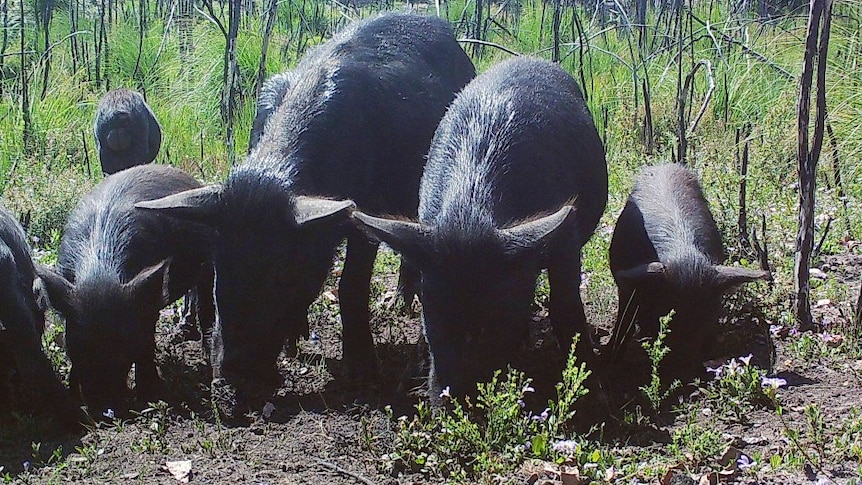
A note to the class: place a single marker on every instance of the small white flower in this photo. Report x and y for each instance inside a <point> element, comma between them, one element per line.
<point>565,447</point>
<point>732,367</point>
<point>745,360</point>
<point>445,392</point>
<point>109,413</point>
<point>773,382</point>
<point>527,388</point>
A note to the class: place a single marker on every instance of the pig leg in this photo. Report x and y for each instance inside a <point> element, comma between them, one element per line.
<point>190,317</point>
<point>149,385</point>
<point>566,307</point>
<point>353,293</point>
<point>206,311</point>
<point>408,285</point>
<point>36,370</point>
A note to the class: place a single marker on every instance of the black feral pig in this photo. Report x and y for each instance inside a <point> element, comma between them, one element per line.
<point>516,181</point>
<point>272,93</point>
<point>118,267</point>
<point>355,124</point>
<point>22,321</point>
<point>127,133</point>
<point>666,254</point>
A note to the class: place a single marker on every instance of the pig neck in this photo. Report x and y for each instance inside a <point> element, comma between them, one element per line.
<point>473,158</point>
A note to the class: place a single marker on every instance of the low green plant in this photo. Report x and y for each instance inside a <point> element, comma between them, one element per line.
<point>816,347</point>
<point>695,443</point>
<point>154,420</point>
<point>656,351</point>
<point>848,441</point>
<point>739,387</point>
<point>816,430</point>
<point>466,441</point>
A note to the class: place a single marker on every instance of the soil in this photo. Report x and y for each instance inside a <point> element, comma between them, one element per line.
<point>321,427</point>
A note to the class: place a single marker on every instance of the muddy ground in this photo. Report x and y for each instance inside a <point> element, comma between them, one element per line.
<point>320,427</point>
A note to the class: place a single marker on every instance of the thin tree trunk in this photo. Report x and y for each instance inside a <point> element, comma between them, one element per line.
<point>556,26</point>
<point>742,135</point>
<point>73,41</point>
<point>27,133</point>
<point>4,38</point>
<point>229,91</point>
<point>142,26</point>
<point>271,12</point>
<point>682,143</point>
<point>807,160</point>
<point>46,31</point>
<point>477,32</point>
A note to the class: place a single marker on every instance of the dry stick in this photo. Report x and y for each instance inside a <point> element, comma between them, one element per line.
<point>167,30</point>
<point>748,50</point>
<point>211,16</point>
<point>86,154</point>
<point>648,139</point>
<point>762,251</point>
<point>807,161</point>
<point>347,473</point>
<point>707,97</point>
<point>490,44</point>
<point>819,244</point>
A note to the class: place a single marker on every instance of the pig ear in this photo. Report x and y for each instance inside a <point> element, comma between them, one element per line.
<point>537,232</point>
<point>59,290</point>
<point>154,138</point>
<point>655,269</point>
<point>152,284</point>
<point>309,209</point>
<point>729,277</point>
<point>196,205</point>
<point>404,237</point>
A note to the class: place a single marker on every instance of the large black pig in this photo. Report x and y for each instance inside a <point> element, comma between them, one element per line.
<point>355,124</point>
<point>22,320</point>
<point>666,254</point>
<point>127,133</point>
<point>272,93</point>
<point>516,181</point>
<point>118,267</point>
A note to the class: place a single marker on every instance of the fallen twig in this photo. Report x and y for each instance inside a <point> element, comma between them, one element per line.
<point>342,471</point>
